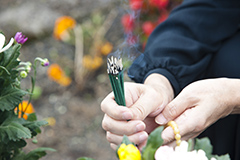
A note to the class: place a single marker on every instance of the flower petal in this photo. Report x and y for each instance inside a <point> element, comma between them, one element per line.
<point>2,41</point>
<point>8,45</point>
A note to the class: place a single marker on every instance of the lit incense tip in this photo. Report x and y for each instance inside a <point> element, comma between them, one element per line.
<point>114,65</point>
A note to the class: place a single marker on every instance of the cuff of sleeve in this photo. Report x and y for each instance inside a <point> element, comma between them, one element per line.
<point>169,76</point>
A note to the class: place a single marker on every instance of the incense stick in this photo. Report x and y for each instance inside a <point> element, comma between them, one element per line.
<point>115,73</point>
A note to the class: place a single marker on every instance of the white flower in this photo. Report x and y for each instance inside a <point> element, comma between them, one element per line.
<point>180,153</point>
<point>2,41</point>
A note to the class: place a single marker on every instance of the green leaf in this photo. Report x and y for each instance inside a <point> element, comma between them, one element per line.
<point>126,140</point>
<point>9,62</point>
<point>154,142</point>
<point>205,145</point>
<point>10,98</point>
<point>34,126</point>
<point>32,117</point>
<point>38,153</point>
<point>85,158</point>
<point>11,129</point>
<point>223,157</point>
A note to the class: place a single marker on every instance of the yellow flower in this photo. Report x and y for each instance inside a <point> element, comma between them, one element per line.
<point>51,121</point>
<point>62,26</point>
<point>128,152</point>
<point>106,48</point>
<point>92,63</point>
<point>25,109</point>
<point>56,73</point>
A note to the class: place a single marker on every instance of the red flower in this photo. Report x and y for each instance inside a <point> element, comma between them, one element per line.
<point>148,27</point>
<point>128,23</point>
<point>162,18</point>
<point>135,4</point>
<point>159,3</point>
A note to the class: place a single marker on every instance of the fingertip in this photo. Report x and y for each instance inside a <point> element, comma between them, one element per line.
<point>167,135</point>
<point>113,146</point>
<point>160,119</point>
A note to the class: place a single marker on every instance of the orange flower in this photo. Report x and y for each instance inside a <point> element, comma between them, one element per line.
<point>56,73</point>
<point>62,26</point>
<point>25,109</point>
<point>92,63</point>
<point>106,48</point>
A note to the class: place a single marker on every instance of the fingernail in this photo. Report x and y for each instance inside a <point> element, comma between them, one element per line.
<point>160,119</point>
<point>127,115</point>
<point>143,137</point>
<point>140,127</point>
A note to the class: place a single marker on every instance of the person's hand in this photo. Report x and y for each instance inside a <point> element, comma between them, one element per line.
<point>137,119</point>
<point>199,105</point>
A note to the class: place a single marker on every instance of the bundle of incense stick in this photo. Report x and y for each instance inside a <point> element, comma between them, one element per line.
<point>115,73</point>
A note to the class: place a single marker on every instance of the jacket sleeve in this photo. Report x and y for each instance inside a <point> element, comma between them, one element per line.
<point>181,47</point>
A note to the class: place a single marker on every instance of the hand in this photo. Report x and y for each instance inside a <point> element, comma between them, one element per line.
<point>199,105</point>
<point>143,103</point>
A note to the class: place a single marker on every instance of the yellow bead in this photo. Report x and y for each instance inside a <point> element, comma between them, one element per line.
<point>178,142</point>
<point>178,137</point>
<point>172,124</point>
<point>176,131</point>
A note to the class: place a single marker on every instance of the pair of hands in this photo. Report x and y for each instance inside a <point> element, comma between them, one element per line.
<point>151,104</point>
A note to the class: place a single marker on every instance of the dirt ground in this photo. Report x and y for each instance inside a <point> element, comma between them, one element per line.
<point>77,131</point>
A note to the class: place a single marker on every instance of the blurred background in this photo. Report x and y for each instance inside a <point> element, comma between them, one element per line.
<point>76,36</point>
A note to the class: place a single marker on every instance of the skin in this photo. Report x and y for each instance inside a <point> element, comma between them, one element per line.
<point>199,105</point>
<point>140,111</point>
<point>151,104</point>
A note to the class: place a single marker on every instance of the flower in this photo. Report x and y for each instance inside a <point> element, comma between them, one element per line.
<point>20,38</point>
<point>128,23</point>
<point>135,4</point>
<point>2,41</point>
<point>62,27</point>
<point>128,152</point>
<point>106,48</point>
<point>24,109</point>
<point>92,63</point>
<point>159,3</point>
<point>148,27</point>
<point>51,121</point>
<point>181,152</point>
<point>45,62</point>
<point>56,73</point>
<point>23,74</point>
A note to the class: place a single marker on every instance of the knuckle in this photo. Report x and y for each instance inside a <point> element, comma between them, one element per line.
<point>172,110</point>
<point>199,126</point>
<point>141,111</point>
<point>108,137</point>
<point>105,124</point>
<point>103,105</point>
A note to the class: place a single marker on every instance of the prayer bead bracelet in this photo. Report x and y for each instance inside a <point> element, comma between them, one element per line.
<point>176,131</point>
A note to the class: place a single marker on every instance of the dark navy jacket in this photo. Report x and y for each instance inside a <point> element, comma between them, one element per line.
<point>199,40</point>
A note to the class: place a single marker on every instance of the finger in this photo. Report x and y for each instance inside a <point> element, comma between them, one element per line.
<point>122,127</point>
<point>113,146</point>
<point>137,138</point>
<point>110,107</point>
<point>149,102</point>
<point>175,108</point>
<point>190,124</point>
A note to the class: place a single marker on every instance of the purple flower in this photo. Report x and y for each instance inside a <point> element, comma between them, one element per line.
<point>45,62</point>
<point>20,38</point>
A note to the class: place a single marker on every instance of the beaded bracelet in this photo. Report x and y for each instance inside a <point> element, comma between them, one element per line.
<point>176,131</point>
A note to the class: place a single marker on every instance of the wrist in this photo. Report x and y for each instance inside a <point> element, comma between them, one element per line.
<point>235,96</point>
<point>161,84</point>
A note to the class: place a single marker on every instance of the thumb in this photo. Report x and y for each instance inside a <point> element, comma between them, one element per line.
<point>174,109</point>
<point>145,105</point>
